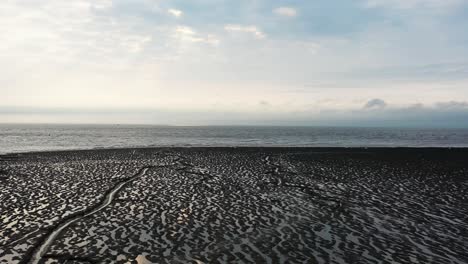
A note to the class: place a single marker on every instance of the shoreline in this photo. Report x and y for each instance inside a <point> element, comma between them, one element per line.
<point>379,148</point>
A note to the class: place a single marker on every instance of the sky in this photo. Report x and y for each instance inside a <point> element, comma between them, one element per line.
<point>244,62</point>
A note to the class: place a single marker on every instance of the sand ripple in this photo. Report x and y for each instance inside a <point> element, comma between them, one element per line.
<point>278,206</point>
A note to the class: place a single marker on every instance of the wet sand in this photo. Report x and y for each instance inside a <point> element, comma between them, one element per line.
<point>235,205</point>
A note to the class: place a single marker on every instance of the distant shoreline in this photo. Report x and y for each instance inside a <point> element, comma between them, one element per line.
<point>69,138</point>
<point>253,148</point>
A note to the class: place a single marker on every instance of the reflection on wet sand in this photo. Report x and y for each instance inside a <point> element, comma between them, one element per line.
<point>141,259</point>
<point>249,206</point>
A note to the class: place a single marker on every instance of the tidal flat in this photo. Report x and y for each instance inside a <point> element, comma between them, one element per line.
<point>235,205</point>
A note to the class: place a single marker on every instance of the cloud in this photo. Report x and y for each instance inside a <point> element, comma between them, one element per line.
<point>137,44</point>
<point>175,12</point>
<point>285,11</point>
<point>125,53</point>
<point>60,32</point>
<point>452,105</point>
<point>411,4</point>
<point>267,113</point>
<point>186,33</point>
<point>375,104</point>
<point>257,33</point>
<point>264,103</point>
<point>184,30</point>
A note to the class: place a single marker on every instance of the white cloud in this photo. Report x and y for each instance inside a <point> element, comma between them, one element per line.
<point>186,33</point>
<point>410,4</point>
<point>257,33</point>
<point>137,44</point>
<point>57,30</point>
<point>56,53</point>
<point>461,105</point>
<point>175,12</point>
<point>184,30</point>
<point>285,11</point>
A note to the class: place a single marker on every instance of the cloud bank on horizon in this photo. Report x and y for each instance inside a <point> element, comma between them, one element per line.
<point>320,62</point>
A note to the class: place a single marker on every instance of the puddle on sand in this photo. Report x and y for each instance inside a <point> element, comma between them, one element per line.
<point>141,259</point>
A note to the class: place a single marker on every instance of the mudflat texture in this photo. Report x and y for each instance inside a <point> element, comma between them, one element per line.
<point>235,205</point>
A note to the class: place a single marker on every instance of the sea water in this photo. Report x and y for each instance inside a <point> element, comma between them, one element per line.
<point>25,138</point>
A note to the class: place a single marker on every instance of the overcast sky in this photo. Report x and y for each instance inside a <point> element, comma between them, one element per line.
<point>341,62</point>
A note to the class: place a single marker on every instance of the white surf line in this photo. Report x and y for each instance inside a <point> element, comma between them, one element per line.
<point>39,253</point>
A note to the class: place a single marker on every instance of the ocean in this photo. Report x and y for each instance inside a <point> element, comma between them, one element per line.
<point>26,138</point>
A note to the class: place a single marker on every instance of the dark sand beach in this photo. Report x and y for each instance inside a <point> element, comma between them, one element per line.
<point>235,205</point>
